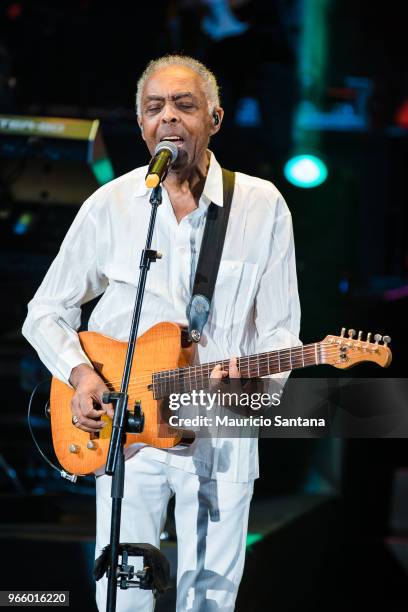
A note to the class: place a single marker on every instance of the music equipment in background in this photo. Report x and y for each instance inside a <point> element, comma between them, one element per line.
<point>161,366</point>
<point>52,160</point>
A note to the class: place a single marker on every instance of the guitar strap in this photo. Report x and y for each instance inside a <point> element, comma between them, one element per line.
<point>209,259</point>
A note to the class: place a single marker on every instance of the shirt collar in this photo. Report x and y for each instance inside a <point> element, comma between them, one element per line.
<point>213,189</point>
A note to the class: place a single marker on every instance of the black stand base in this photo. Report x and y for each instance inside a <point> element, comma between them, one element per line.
<point>155,575</point>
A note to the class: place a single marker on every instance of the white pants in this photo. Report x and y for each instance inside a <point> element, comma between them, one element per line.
<point>211,522</point>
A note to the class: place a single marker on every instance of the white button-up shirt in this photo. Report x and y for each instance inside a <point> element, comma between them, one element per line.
<point>255,306</point>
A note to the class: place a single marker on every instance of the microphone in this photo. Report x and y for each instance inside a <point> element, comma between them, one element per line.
<point>165,154</point>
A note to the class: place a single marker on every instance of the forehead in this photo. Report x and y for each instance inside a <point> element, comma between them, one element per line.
<point>172,80</point>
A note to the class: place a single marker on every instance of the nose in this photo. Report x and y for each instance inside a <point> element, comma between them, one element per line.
<point>169,114</point>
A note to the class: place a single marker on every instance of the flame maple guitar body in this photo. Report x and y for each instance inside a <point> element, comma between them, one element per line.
<point>157,349</point>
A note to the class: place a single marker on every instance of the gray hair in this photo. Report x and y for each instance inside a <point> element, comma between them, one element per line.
<point>211,88</point>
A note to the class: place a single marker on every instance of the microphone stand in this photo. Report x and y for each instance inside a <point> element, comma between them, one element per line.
<point>115,465</point>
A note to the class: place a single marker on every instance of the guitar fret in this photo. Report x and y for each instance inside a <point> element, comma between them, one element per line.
<point>248,371</point>
<point>284,364</point>
<point>297,358</point>
<point>248,367</point>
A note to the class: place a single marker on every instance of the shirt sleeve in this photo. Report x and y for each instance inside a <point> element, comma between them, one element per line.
<point>54,314</point>
<point>277,308</point>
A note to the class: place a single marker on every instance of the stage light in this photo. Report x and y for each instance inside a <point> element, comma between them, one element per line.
<point>253,538</point>
<point>23,224</point>
<point>14,10</point>
<point>103,171</point>
<point>305,171</point>
<point>344,285</point>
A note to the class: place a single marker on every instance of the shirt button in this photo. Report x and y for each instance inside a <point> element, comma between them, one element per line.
<point>182,250</point>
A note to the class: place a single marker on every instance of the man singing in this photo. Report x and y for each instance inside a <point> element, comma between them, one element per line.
<point>255,308</point>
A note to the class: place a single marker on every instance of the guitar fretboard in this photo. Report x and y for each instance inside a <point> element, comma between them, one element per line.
<point>184,380</point>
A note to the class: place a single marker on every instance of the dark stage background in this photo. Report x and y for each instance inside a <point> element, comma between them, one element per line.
<point>329,525</point>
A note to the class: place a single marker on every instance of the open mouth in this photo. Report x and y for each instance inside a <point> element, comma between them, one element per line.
<point>178,140</point>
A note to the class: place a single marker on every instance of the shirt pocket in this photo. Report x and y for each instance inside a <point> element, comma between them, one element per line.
<point>234,293</point>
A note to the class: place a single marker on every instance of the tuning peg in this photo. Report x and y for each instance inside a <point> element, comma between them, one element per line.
<point>343,331</point>
<point>351,333</point>
<point>360,336</point>
<point>386,340</point>
<point>377,338</point>
<point>369,336</point>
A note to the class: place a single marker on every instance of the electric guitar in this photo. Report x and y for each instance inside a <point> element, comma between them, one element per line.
<point>162,366</point>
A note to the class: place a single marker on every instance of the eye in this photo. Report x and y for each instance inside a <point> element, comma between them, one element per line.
<point>153,109</point>
<point>185,106</point>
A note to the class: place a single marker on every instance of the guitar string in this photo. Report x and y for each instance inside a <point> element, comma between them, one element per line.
<point>185,380</point>
<point>263,358</point>
<point>170,375</point>
<point>166,375</point>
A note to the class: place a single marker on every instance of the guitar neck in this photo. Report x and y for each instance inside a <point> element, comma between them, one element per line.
<point>184,380</point>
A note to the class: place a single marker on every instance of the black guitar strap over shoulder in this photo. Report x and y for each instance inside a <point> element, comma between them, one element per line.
<point>209,259</point>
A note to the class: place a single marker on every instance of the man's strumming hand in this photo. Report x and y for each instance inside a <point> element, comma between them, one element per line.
<point>86,403</point>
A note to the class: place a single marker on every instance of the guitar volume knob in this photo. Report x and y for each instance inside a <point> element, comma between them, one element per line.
<point>91,445</point>
<point>74,448</point>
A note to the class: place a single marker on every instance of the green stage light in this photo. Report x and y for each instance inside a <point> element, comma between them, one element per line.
<point>253,538</point>
<point>305,171</point>
<point>103,171</point>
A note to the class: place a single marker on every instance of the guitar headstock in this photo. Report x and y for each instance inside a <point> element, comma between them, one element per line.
<point>344,352</point>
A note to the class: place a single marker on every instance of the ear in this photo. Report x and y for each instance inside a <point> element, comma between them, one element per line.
<point>216,124</point>
<point>139,121</point>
